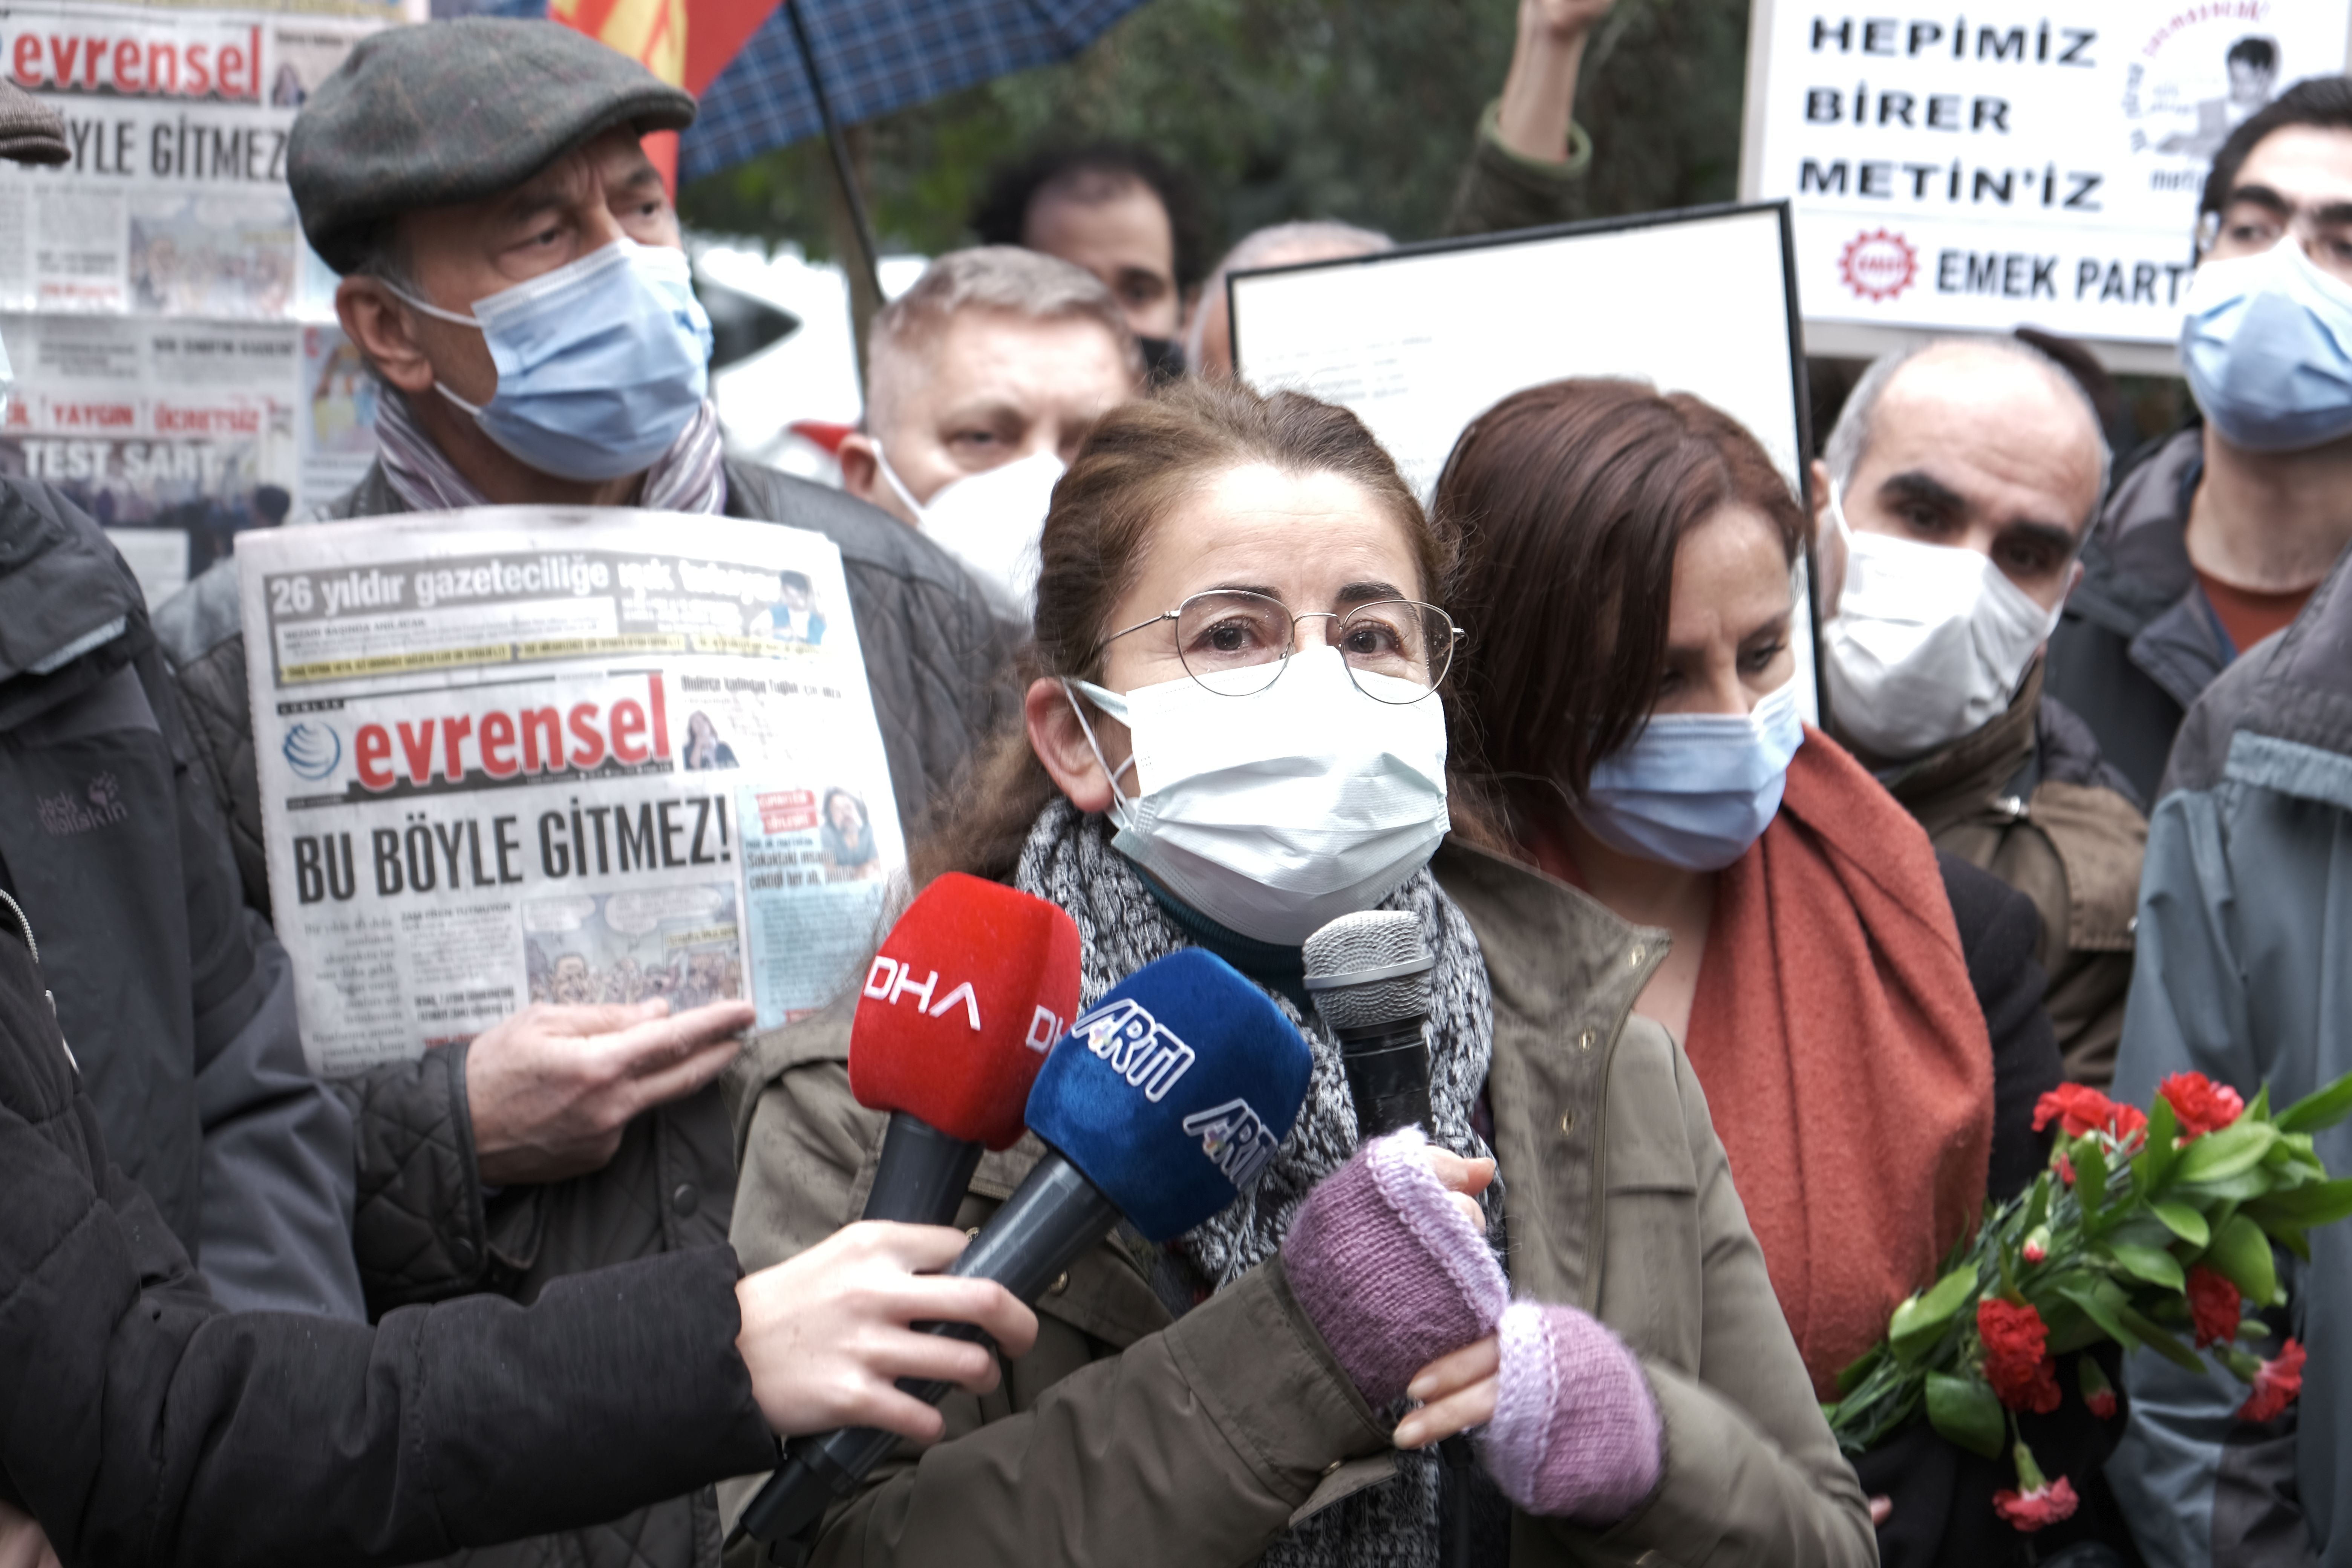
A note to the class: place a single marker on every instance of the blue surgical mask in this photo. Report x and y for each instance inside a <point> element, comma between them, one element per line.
<point>2267,346</point>
<point>1695,790</point>
<point>601,364</point>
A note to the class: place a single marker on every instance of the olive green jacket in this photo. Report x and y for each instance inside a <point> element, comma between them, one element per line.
<point>1128,1438</point>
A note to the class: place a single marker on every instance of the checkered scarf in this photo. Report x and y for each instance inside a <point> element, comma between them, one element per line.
<point>689,477</point>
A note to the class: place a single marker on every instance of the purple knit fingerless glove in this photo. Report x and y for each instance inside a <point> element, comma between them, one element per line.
<point>1576,1433</point>
<point>1387,1270</point>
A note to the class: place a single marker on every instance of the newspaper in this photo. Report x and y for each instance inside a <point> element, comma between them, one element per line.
<point>178,374</point>
<point>536,754</point>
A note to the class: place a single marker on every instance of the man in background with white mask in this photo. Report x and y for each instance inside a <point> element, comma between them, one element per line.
<point>980,381</point>
<point>2215,538</point>
<point>513,276</point>
<point>1950,501</point>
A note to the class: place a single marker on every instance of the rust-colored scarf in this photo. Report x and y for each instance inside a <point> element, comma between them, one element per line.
<point>1838,1038</point>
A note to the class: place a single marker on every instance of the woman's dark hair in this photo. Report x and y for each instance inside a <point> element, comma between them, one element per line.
<point>1002,215</point>
<point>1571,499</point>
<point>1137,464</point>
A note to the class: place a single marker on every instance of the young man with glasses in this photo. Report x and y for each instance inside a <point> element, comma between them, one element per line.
<point>2216,538</point>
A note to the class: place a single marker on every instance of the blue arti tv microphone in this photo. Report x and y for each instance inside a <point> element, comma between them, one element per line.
<point>1163,1101</point>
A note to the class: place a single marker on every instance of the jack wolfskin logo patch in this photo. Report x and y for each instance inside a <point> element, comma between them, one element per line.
<point>102,804</point>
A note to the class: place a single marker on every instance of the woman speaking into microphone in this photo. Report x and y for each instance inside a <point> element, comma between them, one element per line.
<point>1234,732</point>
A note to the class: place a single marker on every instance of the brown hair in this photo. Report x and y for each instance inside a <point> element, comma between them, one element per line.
<point>1571,499</point>
<point>1136,464</point>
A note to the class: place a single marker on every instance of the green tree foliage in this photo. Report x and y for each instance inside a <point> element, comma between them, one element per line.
<point>1359,110</point>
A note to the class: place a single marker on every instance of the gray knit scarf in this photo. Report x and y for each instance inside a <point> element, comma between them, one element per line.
<point>1121,927</point>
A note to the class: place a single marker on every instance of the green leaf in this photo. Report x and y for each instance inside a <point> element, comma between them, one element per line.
<point>2319,1109</point>
<point>2244,1185</point>
<point>2100,1306</point>
<point>2242,1254</point>
<point>1918,1321</point>
<point>1964,1410</point>
<point>2090,1175</point>
<point>2154,1160</point>
<point>2321,1202</point>
<point>2183,1222</point>
<point>2260,1110</point>
<point>2157,1267</point>
<point>2037,1205</point>
<point>1861,1366</point>
<point>2217,1156</point>
<point>2160,1342</point>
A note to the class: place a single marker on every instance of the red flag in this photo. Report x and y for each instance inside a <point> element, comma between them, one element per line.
<point>687,42</point>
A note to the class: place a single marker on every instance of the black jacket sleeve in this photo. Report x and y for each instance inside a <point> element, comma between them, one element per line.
<point>142,1423</point>
<point>1998,928</point>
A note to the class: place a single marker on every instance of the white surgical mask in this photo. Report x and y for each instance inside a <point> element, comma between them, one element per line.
<point>990,522</point>
<point>1928,644</point>
<point>2267,346</point>
<point>1277,813</point>
<point>1695,790</point>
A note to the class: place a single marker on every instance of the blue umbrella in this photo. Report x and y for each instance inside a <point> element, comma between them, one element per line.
<point>864,59</point>
<point>818,65</point>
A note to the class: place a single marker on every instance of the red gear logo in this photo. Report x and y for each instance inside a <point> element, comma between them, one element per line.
<point>1879,265</point>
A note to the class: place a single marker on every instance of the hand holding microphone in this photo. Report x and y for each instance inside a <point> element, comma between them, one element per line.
<point>1165,1099</point>
<point>1571,1430</point>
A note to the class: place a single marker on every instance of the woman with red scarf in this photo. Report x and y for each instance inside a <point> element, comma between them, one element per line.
<point>1861,1013</point>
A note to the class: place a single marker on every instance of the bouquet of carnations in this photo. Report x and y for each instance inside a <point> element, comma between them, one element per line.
<point>2147,1226</point>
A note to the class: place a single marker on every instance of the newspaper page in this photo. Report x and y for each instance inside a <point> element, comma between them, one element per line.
<point>177,372</point>
<point>2009,162</point>
<point>536,755</point>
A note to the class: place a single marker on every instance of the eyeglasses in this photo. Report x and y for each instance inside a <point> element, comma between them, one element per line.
<point>2253,222</point>
<point>1237,643</point>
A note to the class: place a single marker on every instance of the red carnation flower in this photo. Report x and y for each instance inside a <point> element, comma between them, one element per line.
<point>2212,1307</point>
<point>2045,1504</point>
<point>2202,1105</point>
<point>2276,1386</point>
<point>2098,1392</point>
<point>2023,1374</point>
<point>2079,1109</point>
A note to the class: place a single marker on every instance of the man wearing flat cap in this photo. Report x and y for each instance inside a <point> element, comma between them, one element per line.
<point>512,274</point>
<point>176,1000</point>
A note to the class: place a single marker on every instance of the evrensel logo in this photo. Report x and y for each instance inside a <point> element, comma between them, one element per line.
<point>312,749</point>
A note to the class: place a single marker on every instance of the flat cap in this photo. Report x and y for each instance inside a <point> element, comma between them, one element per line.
<point>443,113</point>
<point>30,131</point>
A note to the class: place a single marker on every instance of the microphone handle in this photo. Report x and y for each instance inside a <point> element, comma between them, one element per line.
<point>1388,1076</point>
<point>1048,1224</point>
<point>923,1174</point>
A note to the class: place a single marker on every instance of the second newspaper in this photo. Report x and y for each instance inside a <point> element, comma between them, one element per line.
<point>524,754</point>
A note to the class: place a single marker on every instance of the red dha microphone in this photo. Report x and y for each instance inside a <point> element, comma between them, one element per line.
<point>967,995</point>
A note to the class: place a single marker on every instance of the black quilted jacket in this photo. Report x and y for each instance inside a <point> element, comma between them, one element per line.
<point>424,1229</point>
<point>142,1423</point>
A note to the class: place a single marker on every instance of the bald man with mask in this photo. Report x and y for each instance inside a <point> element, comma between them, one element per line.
<point>1933,664</point>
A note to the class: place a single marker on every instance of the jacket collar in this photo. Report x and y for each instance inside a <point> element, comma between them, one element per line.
<point>2298,728</point>
<point>1978,770</point>
<point>1565,973</point>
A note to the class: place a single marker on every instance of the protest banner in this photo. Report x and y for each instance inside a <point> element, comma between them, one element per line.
<point>154,289</point>
<point>535,755</point>
<point>1999,164</point>
<point>1421,339</point>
